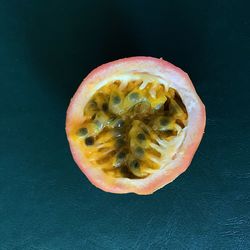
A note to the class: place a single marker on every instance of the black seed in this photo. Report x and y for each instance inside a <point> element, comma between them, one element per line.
<point>141,137</point>
<point>105,107</point>
<point>116,99</point>
<point>117,133</point>
<point>120,142</point>
<point>121,155</point>
<point>93,116</point>
<point>93,104</point>
<point>170,133</point>
<point>180,123</point>
<point>163,122</point>
<point>89,141</point>
<point>124,171</point>
<point>139,152</point>
<point>120,123</point>
<point>167,105</point>
<point>135,164</point>
<point>134,96</point>
<point>82,131</point>
<point>98,123</point>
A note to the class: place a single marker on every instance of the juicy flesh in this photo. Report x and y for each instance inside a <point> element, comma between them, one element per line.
<point>131,129</point>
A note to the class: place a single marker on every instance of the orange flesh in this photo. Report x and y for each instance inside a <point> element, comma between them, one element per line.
<point>126,127</point>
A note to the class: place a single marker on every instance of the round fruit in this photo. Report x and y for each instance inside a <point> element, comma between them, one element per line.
<point>134,125</point>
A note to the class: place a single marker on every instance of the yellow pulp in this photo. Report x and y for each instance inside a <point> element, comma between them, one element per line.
<point>127,128</point>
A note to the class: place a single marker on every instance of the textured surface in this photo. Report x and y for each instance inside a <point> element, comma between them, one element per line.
<point>46,48</point>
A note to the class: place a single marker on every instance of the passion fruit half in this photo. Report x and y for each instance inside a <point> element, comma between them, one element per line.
<point>135,124</point>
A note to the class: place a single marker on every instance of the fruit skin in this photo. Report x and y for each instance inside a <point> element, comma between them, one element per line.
<point>195,128</point>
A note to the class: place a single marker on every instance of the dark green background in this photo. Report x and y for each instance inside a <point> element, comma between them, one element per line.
<point>46,49</point>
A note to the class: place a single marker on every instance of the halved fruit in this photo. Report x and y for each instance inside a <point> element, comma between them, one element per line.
<point>134,125</point>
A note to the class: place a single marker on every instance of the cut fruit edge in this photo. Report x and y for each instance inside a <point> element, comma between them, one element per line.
<point>174,77</point>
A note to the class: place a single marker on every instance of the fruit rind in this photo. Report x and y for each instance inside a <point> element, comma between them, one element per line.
<point>179,80</point>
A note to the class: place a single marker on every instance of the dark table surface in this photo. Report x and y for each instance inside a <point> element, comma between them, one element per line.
<point>46,49</point>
